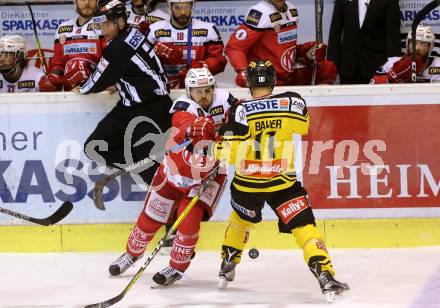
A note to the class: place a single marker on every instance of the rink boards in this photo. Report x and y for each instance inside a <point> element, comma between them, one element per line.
<point>370,164</point>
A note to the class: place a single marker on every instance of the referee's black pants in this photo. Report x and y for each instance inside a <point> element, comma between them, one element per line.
<point>123,126</point>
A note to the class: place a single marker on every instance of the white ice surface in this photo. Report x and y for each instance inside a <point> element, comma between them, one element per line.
<point>377,277</point>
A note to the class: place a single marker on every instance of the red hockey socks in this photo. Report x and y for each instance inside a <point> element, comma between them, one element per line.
<point>186,239</point>
<point>142,234</point>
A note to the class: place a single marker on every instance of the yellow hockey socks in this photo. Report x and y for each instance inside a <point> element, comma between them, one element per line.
<point>310,240</point>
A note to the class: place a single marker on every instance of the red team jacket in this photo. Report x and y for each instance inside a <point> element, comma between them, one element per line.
<point>268,35</point>
<point>206,45</point>
<point>76,45</point>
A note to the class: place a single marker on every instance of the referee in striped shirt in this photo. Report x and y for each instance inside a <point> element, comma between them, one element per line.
<point>130,63</point>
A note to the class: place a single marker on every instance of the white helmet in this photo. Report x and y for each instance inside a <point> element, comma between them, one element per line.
<point>15,44</point>
<point>423,34</point>
<point>197,78</point>
<point>180,1</point>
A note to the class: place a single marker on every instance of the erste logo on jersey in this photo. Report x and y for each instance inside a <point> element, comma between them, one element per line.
<point>26,84</point>
<point>181,105</point>
<point>275,104</point>
<point>134,39</point>
<point>253,17</point>
<point>76,48</point>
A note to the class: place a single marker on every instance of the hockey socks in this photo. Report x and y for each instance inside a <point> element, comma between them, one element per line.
<point>236,237</point>
<point>142,235</point>
<point>183,248</point>
<point>310,240</point>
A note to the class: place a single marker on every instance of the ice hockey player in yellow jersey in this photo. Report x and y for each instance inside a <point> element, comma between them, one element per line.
<point>257,139</point>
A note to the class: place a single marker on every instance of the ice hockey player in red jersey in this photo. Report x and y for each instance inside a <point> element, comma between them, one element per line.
<point>195,115</point>
<point>270,32</point>
<point>78,48</point>
<point>183,42</point>
<point>398,69</point>
<point>145,10</point>
<point>15,73</point>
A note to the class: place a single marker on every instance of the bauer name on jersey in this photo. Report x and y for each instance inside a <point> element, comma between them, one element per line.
<point>28,81</point>
<point>258,140</point>
<point>191,168</point>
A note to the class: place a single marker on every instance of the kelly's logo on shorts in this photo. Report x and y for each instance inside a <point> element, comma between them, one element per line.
<point>71,49</point>
<point>290,209</point>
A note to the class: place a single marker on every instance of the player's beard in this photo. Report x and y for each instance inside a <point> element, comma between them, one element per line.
<point>86,12</point>
<point>182,20</point>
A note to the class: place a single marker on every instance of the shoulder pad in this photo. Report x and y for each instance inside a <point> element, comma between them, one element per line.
<point>240,115</point>
<point>181,105</point>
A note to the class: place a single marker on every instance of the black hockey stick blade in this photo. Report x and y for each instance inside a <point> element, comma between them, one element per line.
<point>419,17</point>
<point>59,214</point>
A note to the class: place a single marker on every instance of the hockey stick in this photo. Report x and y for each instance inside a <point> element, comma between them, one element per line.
<point>98,198</point>
<point>37,40</point>
<point>319,9</point>
<point>176,224</point>
<point>59,214</point>
<point>420,15</point>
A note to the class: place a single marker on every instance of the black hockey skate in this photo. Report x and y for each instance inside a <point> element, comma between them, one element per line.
<point>226,274</point>
<point>121,264</point>
<point>330,287</point>
<point>167,276</point>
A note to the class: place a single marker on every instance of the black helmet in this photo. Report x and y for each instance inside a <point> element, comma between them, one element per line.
<point>261,73</point>
<point>111,10</point>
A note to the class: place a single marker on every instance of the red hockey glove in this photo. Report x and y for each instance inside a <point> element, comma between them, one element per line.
<point>240,79</point>
<point>50,83</point>
<point>198,64</point>
<point>201,129</point>
<point>168,54</point>
<point>181,76</point>
<point>317,52</point>
<point>401,70</point>
<point>143,27</point>
<point>76,77</point>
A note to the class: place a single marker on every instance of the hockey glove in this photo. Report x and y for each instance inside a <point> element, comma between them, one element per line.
<point>50,83</point>
<point>198,64</point>
<point>75,78</point>
<point>168,54</point>
<point>240,79</point>
<point>143,27</point>
<point>401,70</point>
<point>202,129</point>
<point>317,53</point>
